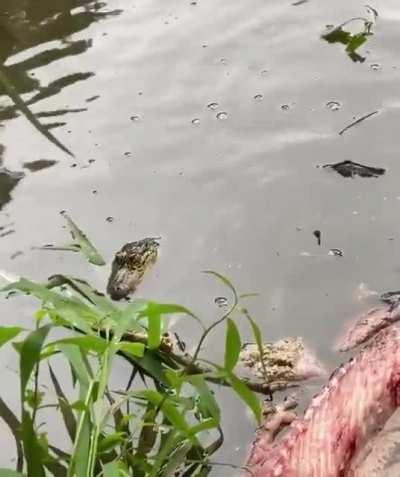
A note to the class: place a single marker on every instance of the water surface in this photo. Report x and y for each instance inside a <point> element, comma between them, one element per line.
<point>205,123</point>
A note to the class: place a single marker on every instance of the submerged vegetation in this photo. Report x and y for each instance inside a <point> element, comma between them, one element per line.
<point>166,421</point>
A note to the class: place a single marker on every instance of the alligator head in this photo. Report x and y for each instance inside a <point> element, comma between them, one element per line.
<point>129,266</point>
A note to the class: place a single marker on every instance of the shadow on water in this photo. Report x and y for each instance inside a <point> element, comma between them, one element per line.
<point>8,180</point>
<point>26,24</point>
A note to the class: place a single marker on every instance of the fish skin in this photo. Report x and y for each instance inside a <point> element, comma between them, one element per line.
<point>367,325</point>
<point>328,441</point>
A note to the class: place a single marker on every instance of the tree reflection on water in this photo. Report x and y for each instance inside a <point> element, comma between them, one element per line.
<point>26,24</point>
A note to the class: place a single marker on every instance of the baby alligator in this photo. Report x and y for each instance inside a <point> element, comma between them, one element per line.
<point>129,266</point>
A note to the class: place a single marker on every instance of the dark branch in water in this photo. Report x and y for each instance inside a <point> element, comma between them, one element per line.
<point>357,121</point>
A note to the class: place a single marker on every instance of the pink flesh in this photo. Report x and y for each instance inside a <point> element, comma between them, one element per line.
<point>367,325</point>
<point>329,440</point>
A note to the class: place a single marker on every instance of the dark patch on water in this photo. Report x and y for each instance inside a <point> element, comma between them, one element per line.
<point>40,164</point>
<point>352,169</point>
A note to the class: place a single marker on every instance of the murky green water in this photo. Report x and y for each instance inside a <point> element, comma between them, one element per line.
<point>204,122</point>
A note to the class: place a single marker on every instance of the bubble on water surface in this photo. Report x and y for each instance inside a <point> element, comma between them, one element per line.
<point>221,301</point>
<point>264,72</point>
<point>110,219</point>
<point>222,115</point>
<point>127,154</point>
<point>336,252</point>
<point>285,107</point>
<point>375,66</point>
<point>135,118</point>
<point>333,105</point>
<point>223,61</point>
<point>258,97</point>
<point>213,106</point>
<point>196,121</point>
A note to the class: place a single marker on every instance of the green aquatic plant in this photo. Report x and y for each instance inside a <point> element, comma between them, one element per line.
<point>352,41</point>
<point>165,422</point>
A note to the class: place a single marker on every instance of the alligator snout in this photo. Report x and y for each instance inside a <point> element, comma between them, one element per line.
<point>122,282</point>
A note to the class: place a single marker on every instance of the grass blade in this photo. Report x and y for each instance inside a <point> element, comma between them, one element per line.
<point>7,333</point>
<point>207,402</point>
<point>85,246</point>
<point>32,449</point>
<point>111,470</point>
<point>15,427</point>
<point>246,395</point>
<point>232,345</point>
<point>65,408</point>
<point>10,473</point>
<point>30,355</point>
<point>154,331</point>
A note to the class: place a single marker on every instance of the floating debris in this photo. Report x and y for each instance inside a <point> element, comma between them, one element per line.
<point>93,98</point>
<point>221,301</point>
<point>357,121</point>
<point>110,219</point>
<point>336,252</point>
<point>212,106</point>
<point>16,254</point>
<point>127,154</point>
<point>38,165</point>
<point>352,41</point>
<point>391,298</point>
<point>333,105</point>
<point>299,2</point>
<point>135,118</point>
<point>351,169</point>
<point>375,66</point>
<point>317,235</point>
<point>285,107</point>
<point>258,97</point>
<point>222,115</point>
<point>196,121</point>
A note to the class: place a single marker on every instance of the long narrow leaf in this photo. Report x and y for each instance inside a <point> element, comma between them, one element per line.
<point>246,394</point>
<point>32,449</point>
<point>232,345</point>
<point>174,416</point>
<point>86,343</point>
<point>15,427</point>
<point>85,291</point>
<point>86,247</point>
<point>30,355</point>
<point>208,403</point>
<point>65,408</point>
<point>7,333</point>
<point>10,473</point>
<point>70,309</point>
<point>155,331</point>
